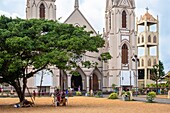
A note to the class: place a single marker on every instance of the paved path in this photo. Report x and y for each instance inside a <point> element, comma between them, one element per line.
<point>143,99</point>
<point>158,100</point>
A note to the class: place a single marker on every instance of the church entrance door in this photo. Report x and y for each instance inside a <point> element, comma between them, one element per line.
<point>76,82</point>
<point>95,83</point>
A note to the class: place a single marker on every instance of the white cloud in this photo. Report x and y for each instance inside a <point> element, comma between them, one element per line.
<point>13,15</point>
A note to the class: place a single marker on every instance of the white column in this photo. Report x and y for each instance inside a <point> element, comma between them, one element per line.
<point>83,85</point>
<point>87,83</point>
<point>69,81</point>
<point>99,84</point>
<point>58,81</point>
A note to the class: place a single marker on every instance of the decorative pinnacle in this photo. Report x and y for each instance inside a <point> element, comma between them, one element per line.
<point>76,4</point>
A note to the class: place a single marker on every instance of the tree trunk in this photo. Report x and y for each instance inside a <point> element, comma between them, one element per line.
<point>156,87</point>
<point>20,90</point>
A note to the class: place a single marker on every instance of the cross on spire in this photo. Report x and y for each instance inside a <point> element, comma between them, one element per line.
<point>76,4</point>
<point>147,9</point>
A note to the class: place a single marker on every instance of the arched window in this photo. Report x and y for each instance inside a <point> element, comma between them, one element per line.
<point>149,38</point>
<point>139,63</point>
<point>76,25</point>
<point>142,39</point>
<point>138,40</point>
<point>154,62</point>
<point>124,54</point>
<point>123,19</point>
<point>149,62</point>
<point>110,21</point>
<point>42,11</point>
<point>142,62</point>
<point>154,39</point>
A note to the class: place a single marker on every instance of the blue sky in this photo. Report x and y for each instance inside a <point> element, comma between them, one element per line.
<point>93,10</point>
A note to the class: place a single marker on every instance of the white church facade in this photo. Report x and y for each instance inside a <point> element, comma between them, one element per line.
<point>121,43</point>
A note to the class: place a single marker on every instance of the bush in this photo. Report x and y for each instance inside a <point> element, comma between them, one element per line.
<point>99,94</point>
<point>113,96</point>
<point>78,93</point>
<point>87,94</point>
<point>151,96</point>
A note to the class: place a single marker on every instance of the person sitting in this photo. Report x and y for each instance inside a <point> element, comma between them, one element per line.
<point>26,103</point>
<point>58,99</point>
<point>63,99</point>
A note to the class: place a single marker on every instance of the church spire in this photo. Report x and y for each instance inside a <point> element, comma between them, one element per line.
<point>76,4</point>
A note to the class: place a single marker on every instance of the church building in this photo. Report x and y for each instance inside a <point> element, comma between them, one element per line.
<point>120,41</point>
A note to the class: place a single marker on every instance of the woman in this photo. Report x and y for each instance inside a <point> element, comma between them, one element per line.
<point>58,96</point>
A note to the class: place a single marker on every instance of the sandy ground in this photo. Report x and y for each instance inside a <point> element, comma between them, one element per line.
<point>84,105</point>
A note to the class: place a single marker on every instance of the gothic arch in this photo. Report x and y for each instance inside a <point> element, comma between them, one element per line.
<point>127,43</point>
<point>83,75</point>
<point>46,8</point>
<point>154,62</point>
<point>51,6</point>
<point>39,3</point>
<point>149,62</point>
<point>142,38</point>
<point>124,9</point>
<point>97,79</point>
<point>149,38</point>
<point>124,19</point>
<point>98,73</point>
<point>154,39</point>
<point>142,62</point>
<point>138,40</point>
<point>42,11</point>
<point>125,54</point>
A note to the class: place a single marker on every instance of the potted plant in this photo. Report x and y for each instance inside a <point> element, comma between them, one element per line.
<point>126,96</point>
<point>151,96</point>
<point>113,96</point>
<point>113,87</point>
<point>99,94</point>
<point>78,93</point>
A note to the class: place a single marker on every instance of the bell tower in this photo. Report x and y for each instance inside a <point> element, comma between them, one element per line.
<point>45,9</point>
<point>121,43</point>
<point>148,40</point>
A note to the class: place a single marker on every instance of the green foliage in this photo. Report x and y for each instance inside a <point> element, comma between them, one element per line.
<point>75,73</point>
<point>40,43</point>
<point>157,73</point>
<point>87,64</point>
<point>126,95</point>
<point>148,85</point>
<point>105,56</point>
<point>113,96</point>
<point>99,94</point>
<point>113,85</point>
<point>78,93</point>
<point>151,96</point>
<point>161,69</point>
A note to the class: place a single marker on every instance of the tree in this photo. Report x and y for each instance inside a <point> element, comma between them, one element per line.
<point>39,43</point>
<point>167,78</point>
<point>157,72</point>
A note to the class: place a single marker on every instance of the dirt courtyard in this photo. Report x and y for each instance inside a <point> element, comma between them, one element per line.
<point>84,105</point>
